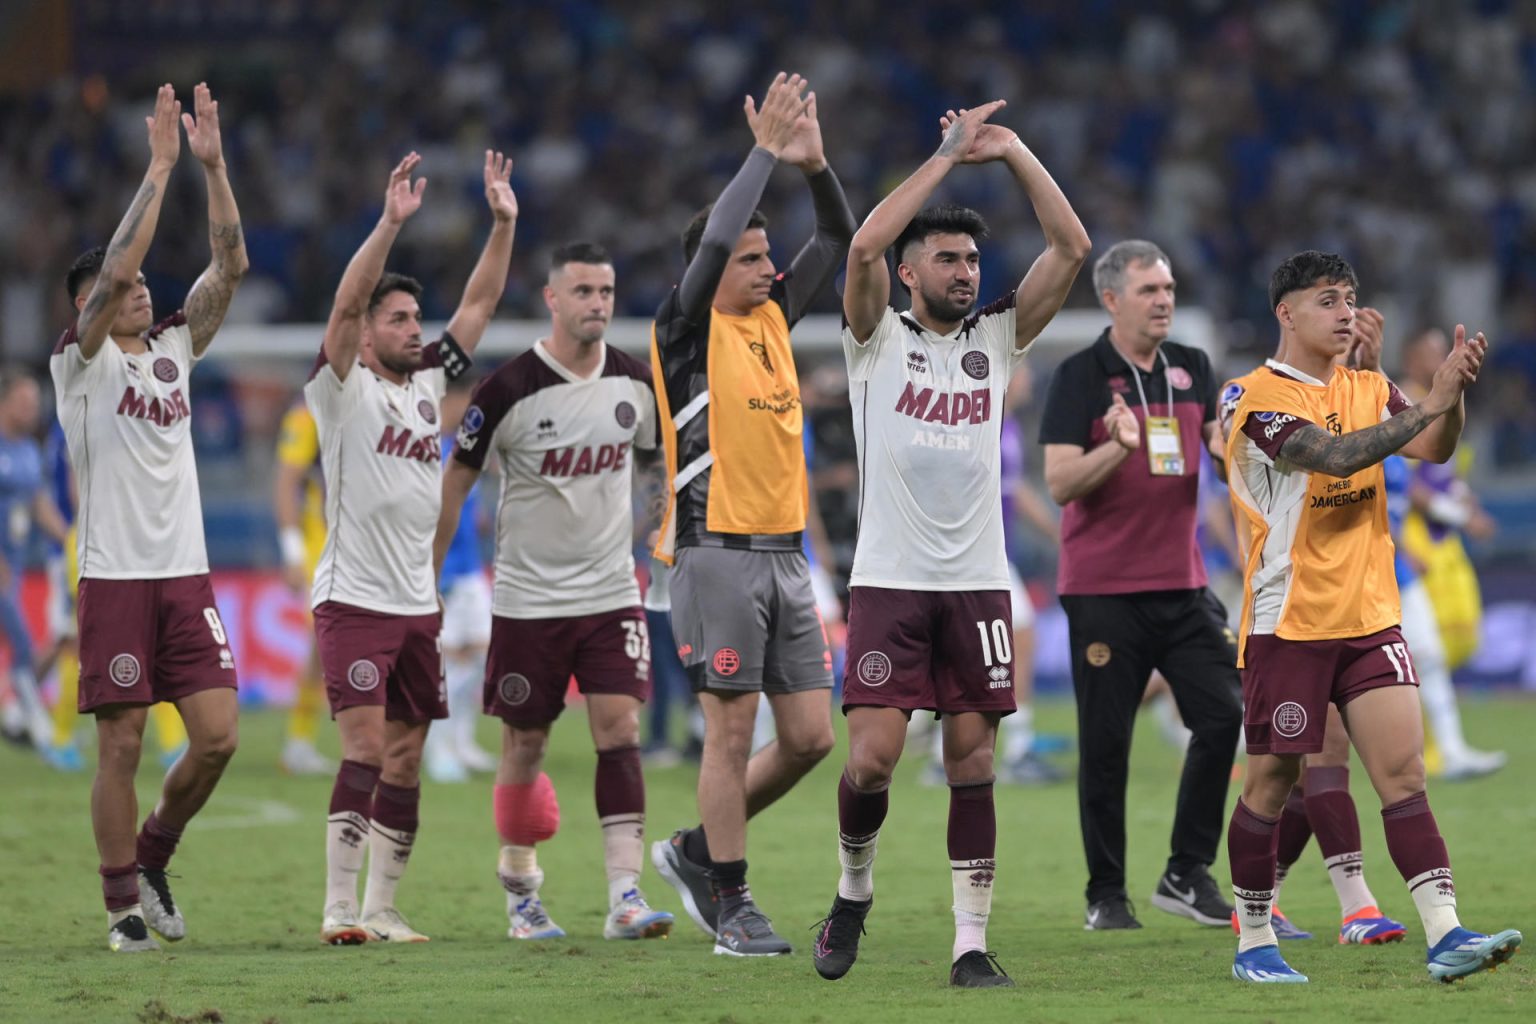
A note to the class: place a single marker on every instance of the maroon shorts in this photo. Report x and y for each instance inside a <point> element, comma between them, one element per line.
<point>377,659</point>
<point>1287,684</point>
<point>531,662</point>
<point>926,650</point>
<point>145,641</point>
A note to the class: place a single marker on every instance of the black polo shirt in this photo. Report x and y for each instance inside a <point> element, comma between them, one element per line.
<point>1136,531</point>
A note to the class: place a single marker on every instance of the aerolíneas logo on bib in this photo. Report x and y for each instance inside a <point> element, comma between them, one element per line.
<point>363,675</point>
<point>514,688</point>
<point>124,670</point>
<point>1290,719</point>
<point>625,414</point>
<point>165,369</point>
<point>976,364</point>
<point>874,669</point>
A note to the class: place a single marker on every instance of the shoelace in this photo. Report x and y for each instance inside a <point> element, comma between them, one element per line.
<point>157,882</point>
<point>837,927</point>
<point>991,959</point>
<point>533,910</point>
<point>754,924</point>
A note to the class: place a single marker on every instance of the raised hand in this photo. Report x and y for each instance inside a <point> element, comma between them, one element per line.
<point>968,139</point>
<point>498,186</point>
<point>773,126</point>
<point>805,149</point>
<point>1459,371</point>
<point>1365,349</point>
<point>1121,424</point>
<point>203,129</point>
<point>401,198</point>
<point>164,137</point>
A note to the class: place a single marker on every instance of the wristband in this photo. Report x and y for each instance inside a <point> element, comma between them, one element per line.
<point>291,540</point>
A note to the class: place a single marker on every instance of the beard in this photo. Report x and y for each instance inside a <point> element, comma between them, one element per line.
<point>945,309</point>
<point>402,364</point>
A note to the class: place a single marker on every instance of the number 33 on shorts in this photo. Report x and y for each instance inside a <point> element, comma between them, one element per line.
<point>637,645</point>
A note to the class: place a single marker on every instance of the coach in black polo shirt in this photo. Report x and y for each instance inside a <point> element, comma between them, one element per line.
<point>1123,426</point>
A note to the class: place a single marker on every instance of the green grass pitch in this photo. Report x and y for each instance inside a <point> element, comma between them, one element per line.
<point>251,884</point>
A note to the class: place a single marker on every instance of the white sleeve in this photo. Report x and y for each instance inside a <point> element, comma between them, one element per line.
<point>647,435</point>
<point>178,339</point>
<point>332,398</point>
<point>861,357</point>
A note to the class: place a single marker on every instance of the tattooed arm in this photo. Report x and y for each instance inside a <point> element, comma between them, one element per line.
<point>210,297</point>
<point>1313,448</point>
<point>867,290</point>
<point>119,275</point>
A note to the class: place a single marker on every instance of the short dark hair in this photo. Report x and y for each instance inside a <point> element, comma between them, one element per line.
<point>578,252</point>
<point>693,234</point>
<point>1306,269</point>
<point>392,282</point>
<point>86,266</point>
<point>947,219</point>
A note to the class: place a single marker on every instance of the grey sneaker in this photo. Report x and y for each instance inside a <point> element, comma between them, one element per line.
<point>131,936</point>
<point>1113,914</point>
<point>748,932</point>
<point>694,882</point>
<point>160,911</point>
<point>1194,895</point>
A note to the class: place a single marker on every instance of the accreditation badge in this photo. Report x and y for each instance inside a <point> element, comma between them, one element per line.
<point>1165,446</point>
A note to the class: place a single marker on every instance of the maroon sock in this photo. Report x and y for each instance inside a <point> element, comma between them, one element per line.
<point>1413,840</point>
<point>859,813</point>
<point>1331,810</point>
<point>1295,829</point>
<point>972,822</point>
<point>119,886</point>
<point>1251,841</point>
<point>157,842</point>
<point>619,786</point>
<point>397,807</point>
<point>353,791</point>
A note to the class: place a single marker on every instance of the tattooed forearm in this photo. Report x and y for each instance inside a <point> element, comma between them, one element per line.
<point>1313,448</point>
<point>210,297</point>
<point>102,293</point>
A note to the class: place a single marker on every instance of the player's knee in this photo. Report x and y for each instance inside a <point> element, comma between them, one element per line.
<point>118,751</point>
<point>871,766</point>
<point>810,745</point>
<point>973,766</point>
<point>216,748</point>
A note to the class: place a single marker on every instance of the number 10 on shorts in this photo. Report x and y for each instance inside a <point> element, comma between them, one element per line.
<point>1397,654</point>
<point>996,642</point>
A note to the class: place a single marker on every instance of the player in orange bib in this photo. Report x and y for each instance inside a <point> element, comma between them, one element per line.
<point>1320,604</point>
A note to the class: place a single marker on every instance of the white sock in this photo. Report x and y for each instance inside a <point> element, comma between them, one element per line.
<point>1434,893</point>
<point>623,853</point>
<point>1018,734</point>
<point>1347,871</point>
<point>518,869</point>
<point>388,853</point>
<point>1254,911</point>
<point>856,855</point>
<point>114,916</point>
<point>972,883</point>
<point>346,840</point>
<point>1281,870</point>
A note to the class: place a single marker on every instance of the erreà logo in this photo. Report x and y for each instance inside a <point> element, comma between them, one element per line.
<point>163,413</point>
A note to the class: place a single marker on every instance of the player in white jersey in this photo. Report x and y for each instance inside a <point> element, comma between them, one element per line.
<point>376,395</point>
<point>565,421</point>
<point>929,609</point>
<point>149,628</point>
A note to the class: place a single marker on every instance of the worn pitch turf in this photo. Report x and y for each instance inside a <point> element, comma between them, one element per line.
<point>251,885</point>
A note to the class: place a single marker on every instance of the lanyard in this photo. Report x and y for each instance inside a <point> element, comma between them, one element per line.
<point>1136,375</point>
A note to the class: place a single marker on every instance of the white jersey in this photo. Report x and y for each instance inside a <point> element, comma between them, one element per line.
<point>127,419</point>
<point>381,457</point>
<point>927,412</point>
<point>564,446</point>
